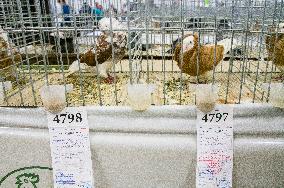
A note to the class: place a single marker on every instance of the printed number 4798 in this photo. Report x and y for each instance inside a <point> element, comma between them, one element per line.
<point>215,117</point>
<point>62,118</point>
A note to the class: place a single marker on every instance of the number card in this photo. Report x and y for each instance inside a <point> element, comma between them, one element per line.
<point>70,148</point>
<point>215,148</point>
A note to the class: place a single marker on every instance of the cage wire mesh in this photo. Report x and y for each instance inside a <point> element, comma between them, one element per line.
<point>39,42</point>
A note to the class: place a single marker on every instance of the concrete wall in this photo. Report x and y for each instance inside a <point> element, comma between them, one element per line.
<point>156,148</point>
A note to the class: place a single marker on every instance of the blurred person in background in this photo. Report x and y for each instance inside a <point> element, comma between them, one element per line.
<point>58,13</point>
<point>85,9</point>
<point>66,13</point>
<point>101,10</point>
<point>112,11</point>
<point>98,12</point>
<point>123,11</point>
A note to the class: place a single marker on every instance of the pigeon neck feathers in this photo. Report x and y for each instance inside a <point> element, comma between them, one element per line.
<point>190,42</point>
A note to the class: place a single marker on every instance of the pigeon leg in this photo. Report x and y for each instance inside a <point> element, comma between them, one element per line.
<point>280,77</point>
<point>195,80</point>
<point>109,79</point>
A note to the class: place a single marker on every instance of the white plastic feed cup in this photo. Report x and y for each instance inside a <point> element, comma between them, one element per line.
<point>53,98</point>
<point>139,96</point>
<point>277,95</point>
<point>206,96</point>
<point>4,86</point>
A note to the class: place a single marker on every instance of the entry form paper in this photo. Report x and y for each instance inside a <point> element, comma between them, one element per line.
<point>215,148</point>
<point>70,148</point>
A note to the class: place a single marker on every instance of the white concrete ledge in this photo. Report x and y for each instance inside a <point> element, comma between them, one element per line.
<point>156,148</point>
<point>248,119</point>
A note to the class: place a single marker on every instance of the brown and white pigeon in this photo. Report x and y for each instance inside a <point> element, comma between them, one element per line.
<point>101,53</point>
<point>275,47</point>
<point>8,56</point>
<point>199,60</point>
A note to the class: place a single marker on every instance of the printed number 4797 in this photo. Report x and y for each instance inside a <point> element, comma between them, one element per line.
<point>62,118</point>
<point>215,117</point>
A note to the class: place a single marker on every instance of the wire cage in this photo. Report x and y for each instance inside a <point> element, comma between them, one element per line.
<point>39,42</point>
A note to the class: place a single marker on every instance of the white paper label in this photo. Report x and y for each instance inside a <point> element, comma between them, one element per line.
<point>70,148</point>
<point>215,148</point>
